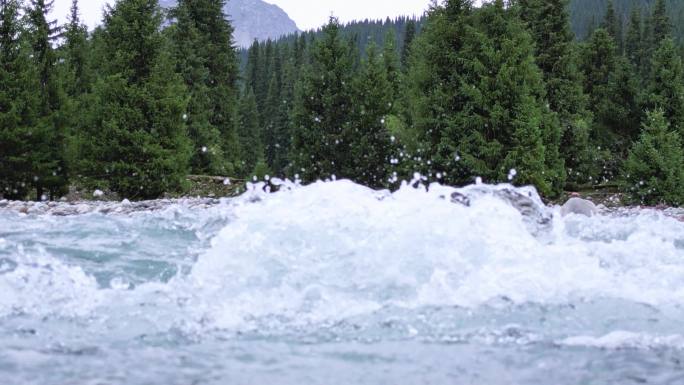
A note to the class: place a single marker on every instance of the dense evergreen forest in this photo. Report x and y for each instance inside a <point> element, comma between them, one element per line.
<point>586,15</point>
<point>504,92</point>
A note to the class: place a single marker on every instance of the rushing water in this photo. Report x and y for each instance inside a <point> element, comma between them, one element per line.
<point>337,284</point>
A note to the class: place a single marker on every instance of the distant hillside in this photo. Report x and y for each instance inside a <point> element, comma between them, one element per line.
<point>253,19</point>
<point>362,31</point>
<point>588,14</point>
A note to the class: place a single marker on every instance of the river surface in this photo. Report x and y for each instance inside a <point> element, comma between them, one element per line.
<point>334,283</point>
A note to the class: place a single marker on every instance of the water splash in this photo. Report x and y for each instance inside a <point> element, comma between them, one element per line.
<point>335,262</point>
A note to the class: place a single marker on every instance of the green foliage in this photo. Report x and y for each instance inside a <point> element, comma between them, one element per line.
<point>249,134</point>
<point>409,36</point>
<point>661,26</point>
<point>77,78</point>
<point>612,25</point>
<point>462,92</point>
<point>666,84</point>
<point>261,171</point>
<point>654,169</point>
<point>138,144</point>
<point>438,91</point>
<point>76,54</point>
<point>18,105</point>
<point>634,43</point>
<point>371,141</point>
<point>549,25</point>
<point>478,99</point>
<point>323,104</point>
<point>208,64</point>
<point>33,129</point>
<point>667,18</point>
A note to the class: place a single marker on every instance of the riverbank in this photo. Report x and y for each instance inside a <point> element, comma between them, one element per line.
<point>208,192</point>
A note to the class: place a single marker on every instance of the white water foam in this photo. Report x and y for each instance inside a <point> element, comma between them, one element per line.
<point>627,340</point>
<point>331,251</point>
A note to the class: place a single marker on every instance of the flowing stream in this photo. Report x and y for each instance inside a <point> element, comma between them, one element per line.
<point>333,283</point>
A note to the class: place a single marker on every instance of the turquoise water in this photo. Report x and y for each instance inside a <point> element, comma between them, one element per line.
<point>333,283</point>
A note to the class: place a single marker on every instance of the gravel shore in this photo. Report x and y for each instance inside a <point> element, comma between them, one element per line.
<point>102,207</point>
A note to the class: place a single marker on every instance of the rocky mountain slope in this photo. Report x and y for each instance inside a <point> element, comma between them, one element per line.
<point>253,19</point>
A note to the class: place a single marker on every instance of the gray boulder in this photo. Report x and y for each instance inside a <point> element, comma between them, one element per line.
<point>579,206</point>
<point>537,218</point>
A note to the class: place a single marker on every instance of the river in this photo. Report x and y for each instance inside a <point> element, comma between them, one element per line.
<point>334,283</point>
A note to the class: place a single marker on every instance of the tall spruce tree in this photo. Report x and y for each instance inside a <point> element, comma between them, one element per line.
<point>252,72</point>
<point>409,36</point>
<point>613,25</point>
<point>666,85</point>
<point>479,99</point>
<point>371,144</point>
<point>439,91</point>
<point>392,63</point>
<point>249,133</point>
<point>599,63</point>
<point>634,40</point>
<point>208,63</point>
<point>661,25</point>
<point>272,125</point>
<point>138,144</point>
<point>514,112</point>
<point>549,23</point>
<point>19,105</point>
<point>78,77</point>
<point>323,105</point>
<point>76,54</point>
<point>657,28</point>
<point>49,133</point>
<point>654,170</point>
<point>622,110</point>
<point>613,86</point>
<point>281,140</point>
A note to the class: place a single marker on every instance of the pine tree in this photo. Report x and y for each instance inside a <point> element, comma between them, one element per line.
<point>599,62</point>
<point>666,85</point>
<point>208,63</point>
<point>19,105</point>
<point>392,64</point>
<point>190,54</point>
<point>409,36</point>
<point>516,116</point>
<point>661,26</point>
<point>634,40</point>
<point>76,57</point>
<point>371,144</point>
<point>282,132</point>
<point>253,68</point>
<point>612,25</point>
<point>323,104</point>
<point>76,54</point>
<point>622,110</point>
<point>657,28</point>
<point>479,99</point>
<point>249,133</point>
<point>49,136</point>
<point>137,138</point>
<point>261,87</point>
<point>549,24</point>
<point>439,91</point>
<point>654,170</point>
<point>271,126</point>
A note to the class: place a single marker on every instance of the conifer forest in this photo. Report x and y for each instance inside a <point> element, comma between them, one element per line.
<point>559,94</point>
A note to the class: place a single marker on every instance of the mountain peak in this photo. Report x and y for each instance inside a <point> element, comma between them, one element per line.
<point>253,19</point>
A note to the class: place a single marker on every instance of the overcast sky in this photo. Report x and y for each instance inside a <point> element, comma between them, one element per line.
<point>306,13</point>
